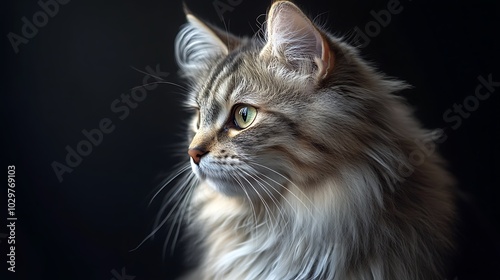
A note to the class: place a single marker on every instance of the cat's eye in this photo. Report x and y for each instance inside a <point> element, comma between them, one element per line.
<point>197,119</point>
<point>244,115</point>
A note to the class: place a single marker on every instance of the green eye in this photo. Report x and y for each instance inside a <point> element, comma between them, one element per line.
<point>244,115</point>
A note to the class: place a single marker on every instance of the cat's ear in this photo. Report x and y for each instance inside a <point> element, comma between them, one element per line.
<point>199,40</point>
<point>294,39</point>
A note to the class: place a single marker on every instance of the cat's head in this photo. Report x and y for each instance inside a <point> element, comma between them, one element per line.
<point>268,111</point>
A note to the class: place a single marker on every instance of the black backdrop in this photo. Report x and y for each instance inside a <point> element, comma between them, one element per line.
<point>69,75</point>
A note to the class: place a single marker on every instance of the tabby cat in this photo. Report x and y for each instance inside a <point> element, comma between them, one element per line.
<point>304,160</point>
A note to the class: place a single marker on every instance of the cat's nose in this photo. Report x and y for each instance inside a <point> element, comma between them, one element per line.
<point>196,153</point>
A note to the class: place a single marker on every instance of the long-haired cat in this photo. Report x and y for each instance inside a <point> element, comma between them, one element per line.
<point>306,161</point>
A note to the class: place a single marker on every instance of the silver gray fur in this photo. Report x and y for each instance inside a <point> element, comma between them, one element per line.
<point>321,185</point>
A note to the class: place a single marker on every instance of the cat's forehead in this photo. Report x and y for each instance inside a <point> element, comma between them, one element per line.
<point>243,77</point>
<point>234,78</point>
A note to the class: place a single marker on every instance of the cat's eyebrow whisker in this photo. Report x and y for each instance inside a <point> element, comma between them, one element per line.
<point>226,28</point>
<point>260,33</point>
<point>161,82</point>
<point>146,73</point>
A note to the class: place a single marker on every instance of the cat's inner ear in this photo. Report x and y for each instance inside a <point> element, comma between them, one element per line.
<point>294,39</point>
<point>199,40</point>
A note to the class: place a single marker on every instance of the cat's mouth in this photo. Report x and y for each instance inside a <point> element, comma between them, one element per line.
<point>253,182</point>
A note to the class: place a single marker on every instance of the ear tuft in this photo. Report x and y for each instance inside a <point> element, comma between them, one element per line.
<point>294,39</point>
<point>195,43</point>
<point>198,41</point>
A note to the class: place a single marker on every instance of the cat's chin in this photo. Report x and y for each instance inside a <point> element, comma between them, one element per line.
<point>226,187</point>
<point>259,184</point>
<point>246,187</point>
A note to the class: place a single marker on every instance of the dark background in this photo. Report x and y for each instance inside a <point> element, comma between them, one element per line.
<point>67,76</point>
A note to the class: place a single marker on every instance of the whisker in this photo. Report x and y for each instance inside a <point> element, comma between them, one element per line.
<point>266,206</point>
<point>179,217</point>
<point>157,82</point>
<point>279,184</point>
<point>248,196</point>
<point>161,82</point>
<point>167,181</point>
<point>183,189</point>
<point>146,73</point>
<point>273,198</point>
<point>287,189</point>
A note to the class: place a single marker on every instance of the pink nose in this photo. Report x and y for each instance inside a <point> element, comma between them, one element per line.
<point>196,153</point>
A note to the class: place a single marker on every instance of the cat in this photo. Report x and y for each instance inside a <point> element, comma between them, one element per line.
<point>301,160</point>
